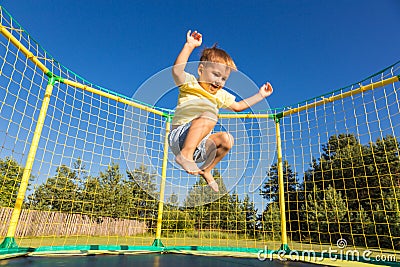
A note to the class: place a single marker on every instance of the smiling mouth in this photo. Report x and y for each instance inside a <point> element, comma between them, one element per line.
<point>213,86</point>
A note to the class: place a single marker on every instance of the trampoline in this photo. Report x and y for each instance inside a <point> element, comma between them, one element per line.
<point>145,260</point>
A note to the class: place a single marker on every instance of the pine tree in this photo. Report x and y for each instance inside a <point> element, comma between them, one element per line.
<point>324,214</point>
<point>251,217</point>
<point>293,196</point>
<point>270,222</point>
<point>143,196</point>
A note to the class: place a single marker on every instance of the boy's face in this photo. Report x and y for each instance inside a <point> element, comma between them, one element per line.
<point>212,76</point>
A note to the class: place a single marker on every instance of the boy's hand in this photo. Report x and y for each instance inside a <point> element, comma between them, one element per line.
<point>194,38</point>
<point>266,90</point>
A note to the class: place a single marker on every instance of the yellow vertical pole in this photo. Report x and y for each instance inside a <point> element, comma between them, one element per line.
<point>157,242</point>
<point>282,208</point>
<point>9,241</point>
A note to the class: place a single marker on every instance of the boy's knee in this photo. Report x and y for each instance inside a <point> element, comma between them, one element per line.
<point>227,140</point>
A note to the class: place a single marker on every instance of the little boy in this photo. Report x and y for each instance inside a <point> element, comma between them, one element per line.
<point>196,113</point>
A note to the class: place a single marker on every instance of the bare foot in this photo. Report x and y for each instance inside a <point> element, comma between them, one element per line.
<point>188,165</point>
<point>210,180</point>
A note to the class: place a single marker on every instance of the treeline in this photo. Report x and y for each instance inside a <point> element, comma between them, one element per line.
<point>73,190</point>
<point>350,191</point>
<point>134,197</point>
<point>203,210</point>
<point>109,194</point>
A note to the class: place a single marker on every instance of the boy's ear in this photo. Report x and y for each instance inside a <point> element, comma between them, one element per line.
<point>200,69</point>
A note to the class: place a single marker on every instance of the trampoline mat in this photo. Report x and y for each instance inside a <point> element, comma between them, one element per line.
<point>146,260</point>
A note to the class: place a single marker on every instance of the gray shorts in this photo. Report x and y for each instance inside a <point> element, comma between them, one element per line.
<point>177,137</point>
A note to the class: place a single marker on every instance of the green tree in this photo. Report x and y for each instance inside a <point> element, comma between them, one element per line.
<point>113,194</point>
<point>293,196</point>
<point>91,197</point>
<point>363,175</point>
<point>173,199</point>
<point>201,193</point>
<point>359,172</point>
<point>10,179</point>
<point>251,227</point>
<point>324,214</point>
<point>217,211</point>
<point>176,220</point>
<point>386,220</point>
<point>270,222</point>
<point>270,188</point>
<point>143,200</point>
<point>58,192</point>
<point>108,195</point>
<point>360,229</point>
<point>231,214</point>
<point>199,202</point>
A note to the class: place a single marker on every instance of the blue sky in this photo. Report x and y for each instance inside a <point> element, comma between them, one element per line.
<point>305,48</point>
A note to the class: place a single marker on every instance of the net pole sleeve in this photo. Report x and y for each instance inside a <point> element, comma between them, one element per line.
<point>281,185</point>
<point>30,160</point>
<point>162,188</point>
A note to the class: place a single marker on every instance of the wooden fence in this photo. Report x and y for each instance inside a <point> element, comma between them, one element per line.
<point>50,223</point>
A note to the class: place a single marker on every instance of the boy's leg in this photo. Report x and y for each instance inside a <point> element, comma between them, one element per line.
<point>199,128</point>
<point>218,145</point>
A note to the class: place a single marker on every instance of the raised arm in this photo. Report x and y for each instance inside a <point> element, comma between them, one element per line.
<point>193,40</point>
<point>265,91</point>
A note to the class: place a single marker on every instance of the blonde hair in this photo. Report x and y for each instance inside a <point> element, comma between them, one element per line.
<point>217,55</point>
